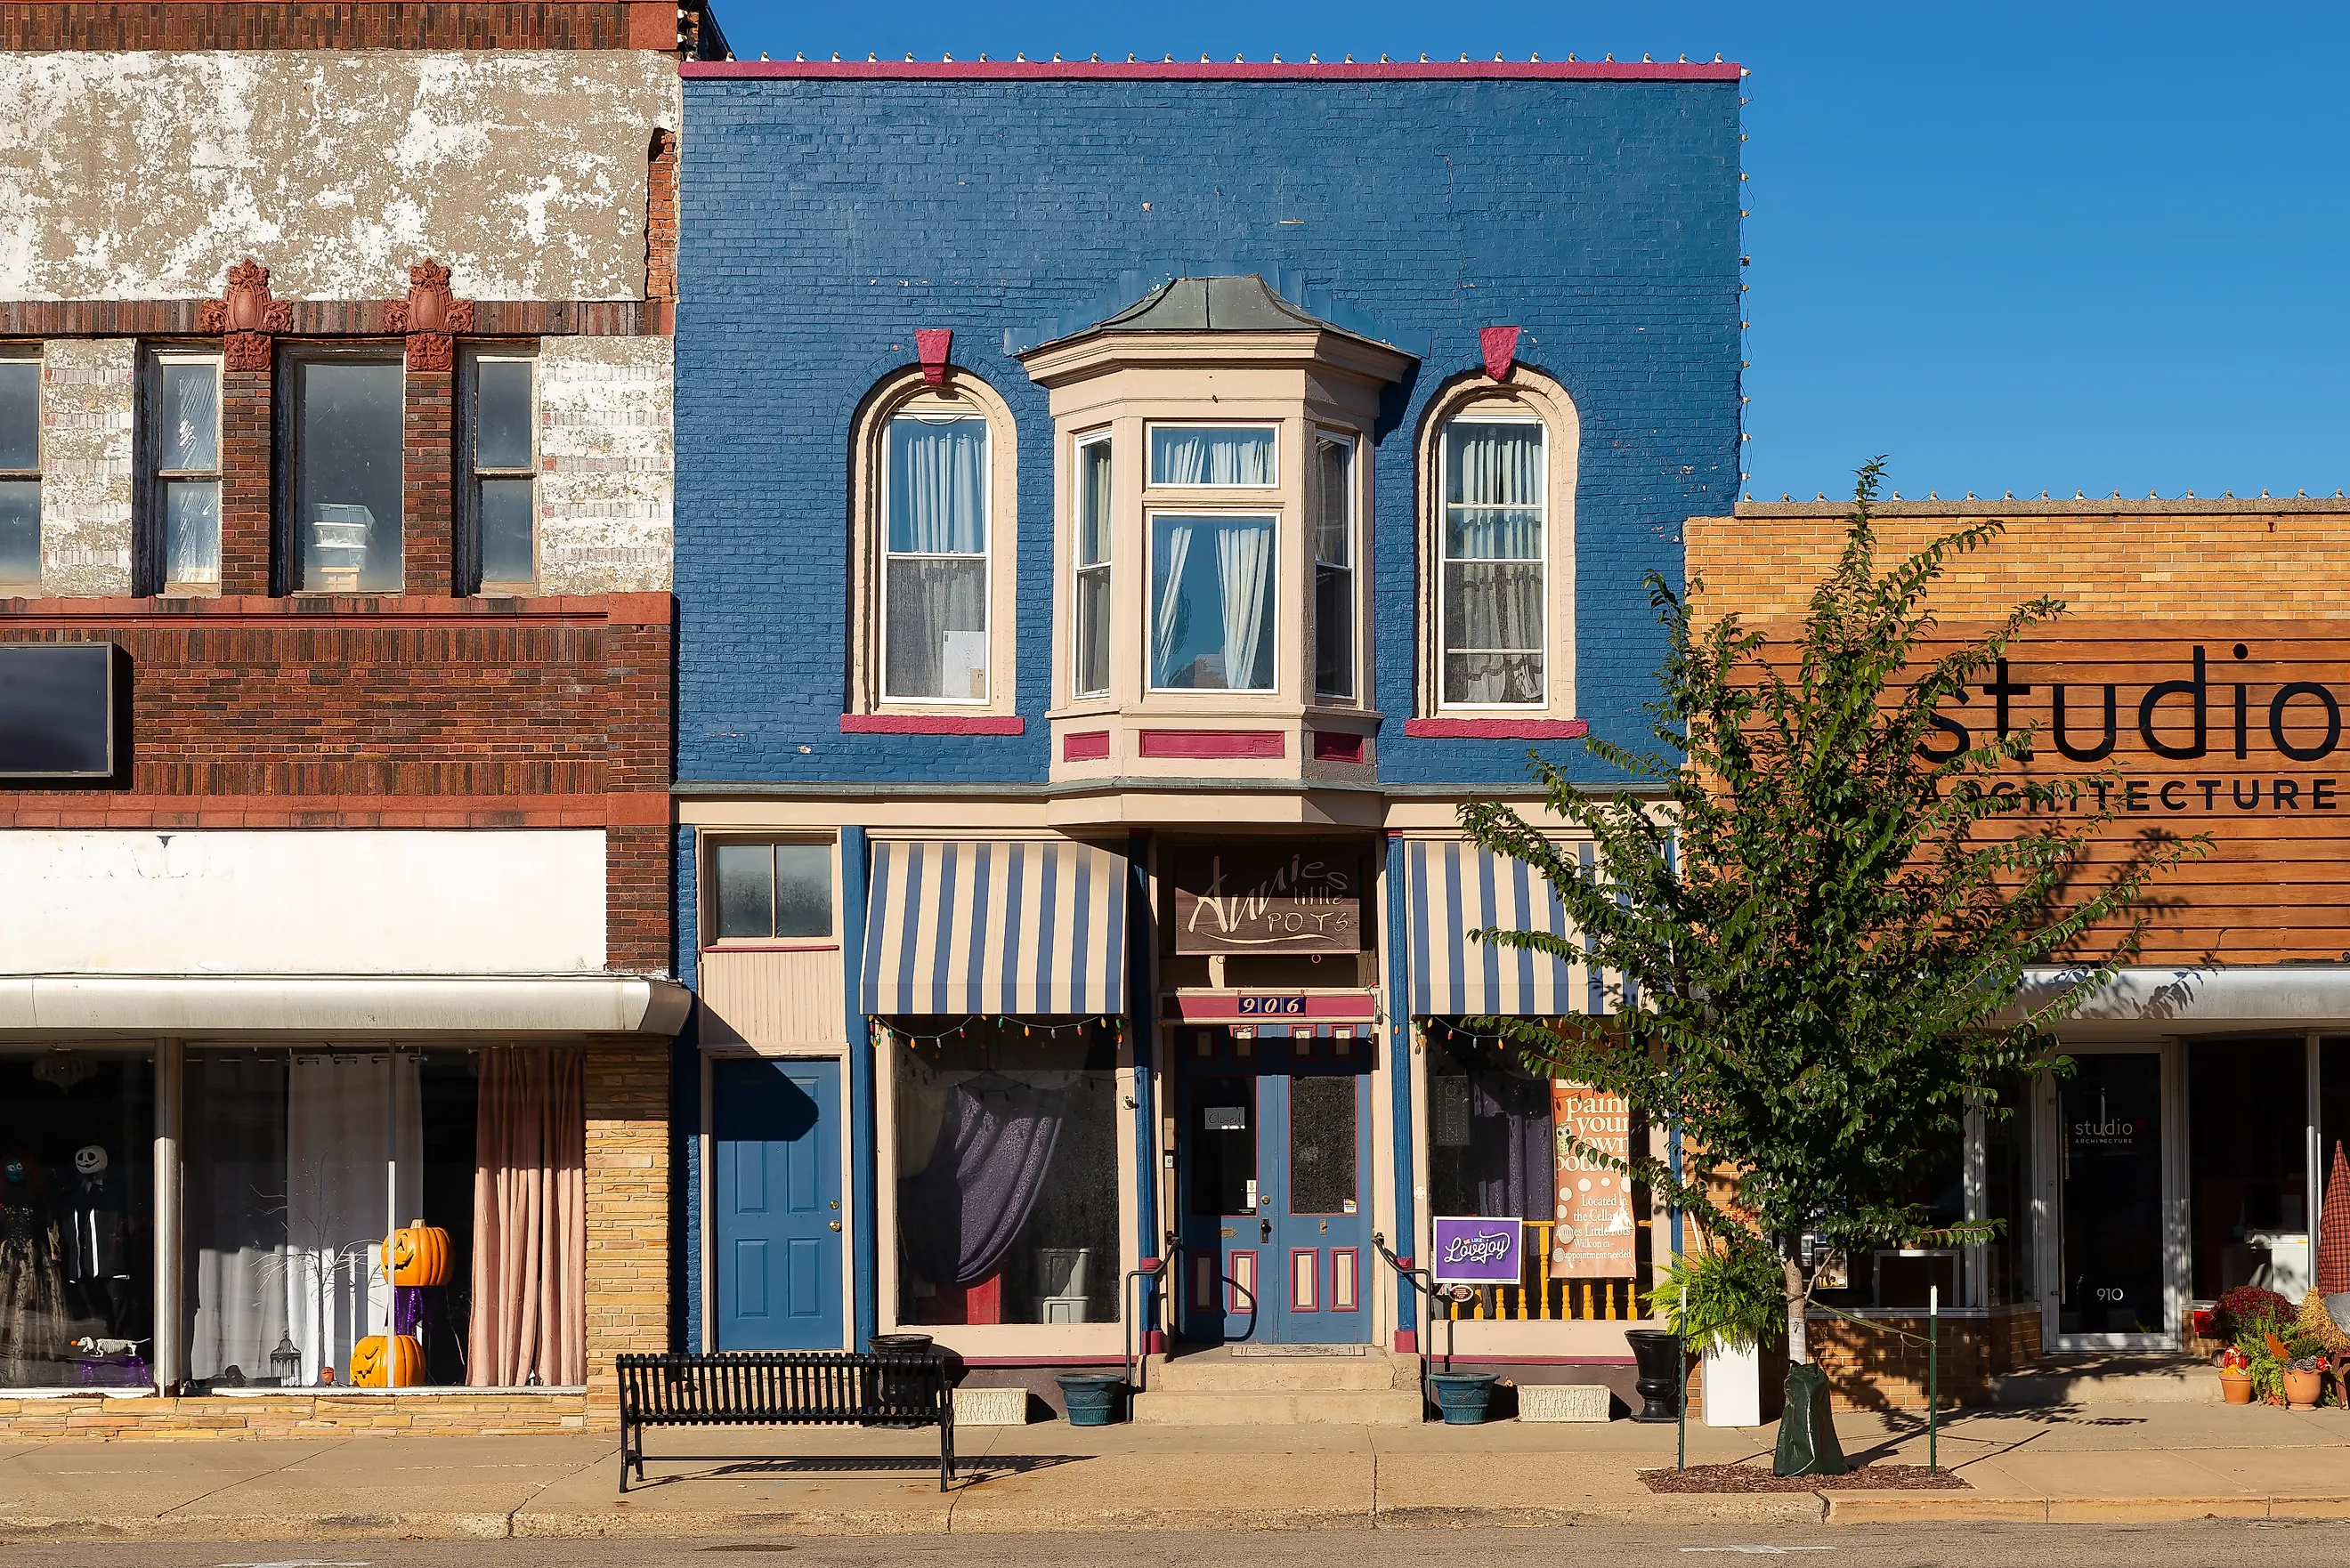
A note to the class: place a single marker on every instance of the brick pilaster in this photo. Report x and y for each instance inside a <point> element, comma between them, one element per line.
<point>427,465</point>
<point>638,659</point>
<point>627,1095</point>
<point>660,219</point>
<point>247,449</point>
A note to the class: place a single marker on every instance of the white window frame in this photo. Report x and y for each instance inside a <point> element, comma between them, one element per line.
<point>1081,568</point>
<point>1150,449</point>
<point>476,473</point>
<point>1352,566</point>
<point>1271,514</point>
<point>1488,414</point>
<point>31,353</point>
<point>986,556</point>
<point>158,479</point>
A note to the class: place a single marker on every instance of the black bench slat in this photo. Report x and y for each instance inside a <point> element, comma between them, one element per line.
<point>784,1389</point>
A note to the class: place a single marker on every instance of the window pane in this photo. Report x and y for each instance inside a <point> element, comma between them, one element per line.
<point>20,413</point>
<point>1492,634</point>
<point>938,486</point>
<point>190,416</point>
<point>802,889</point>
<point>508,554</point>
<point>20,530</point>
<point>2248,1161</point>
<point>1322,1160</point>
<point>1093,503</point>
<point>1492,533</point>
<point>1007,1174</point>
<point>502,421</point>
<point>346,426</point>
<point>1092,677</point>
<point>936,635</point>
<point>1490,1143</point>
<point>1493,464</point>
<point>1212,595</point>
<point>191,532</point>
<point>1224,1145</point>
<point>1333,534</point>
<point>1182,455</point>
<point>1333,633</point>
<point>77,1218</point>
<point>746,889</point>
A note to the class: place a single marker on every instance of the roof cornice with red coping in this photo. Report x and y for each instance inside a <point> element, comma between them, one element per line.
<point>1208,70</point>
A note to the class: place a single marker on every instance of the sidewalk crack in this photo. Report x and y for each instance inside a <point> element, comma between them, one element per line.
<point>241,1480</point>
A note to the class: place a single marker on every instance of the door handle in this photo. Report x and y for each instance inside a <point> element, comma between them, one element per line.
<point>836,1224</point>
<point>1265,1231</point>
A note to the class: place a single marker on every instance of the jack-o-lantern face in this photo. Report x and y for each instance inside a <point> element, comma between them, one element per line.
<point>419,1254</point>
<point>397,1362</point>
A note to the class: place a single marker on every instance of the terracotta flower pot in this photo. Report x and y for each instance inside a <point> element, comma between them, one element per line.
<point>2302,1390</point>
<point>2236,1388</point>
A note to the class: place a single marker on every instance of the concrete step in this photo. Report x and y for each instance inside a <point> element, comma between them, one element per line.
<point>2109,1379</point>
<point>1221,1372</point>
<point>1294,1407</point>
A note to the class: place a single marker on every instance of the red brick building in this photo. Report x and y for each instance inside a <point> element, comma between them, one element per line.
<point>336,659</point>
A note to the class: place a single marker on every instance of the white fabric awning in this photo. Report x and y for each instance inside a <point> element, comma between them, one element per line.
<point>506,1007</point>
<point>1455,888</point>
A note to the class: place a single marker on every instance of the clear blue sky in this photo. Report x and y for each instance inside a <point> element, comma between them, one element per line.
<point>2025,247</point>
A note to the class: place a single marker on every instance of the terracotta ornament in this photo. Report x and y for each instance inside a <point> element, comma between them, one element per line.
<point>245,317</point>
<point>432,317</point>
<point>1500,346</point>
<point>931,345</point>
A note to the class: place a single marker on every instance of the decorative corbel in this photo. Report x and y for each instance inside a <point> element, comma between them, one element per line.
<point>245,317</point>
<point>431,317</point>
<point>1500,346</point>
<point>932,345</point>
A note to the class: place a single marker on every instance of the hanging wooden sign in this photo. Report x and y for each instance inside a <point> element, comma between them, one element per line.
<point>1276,899</point>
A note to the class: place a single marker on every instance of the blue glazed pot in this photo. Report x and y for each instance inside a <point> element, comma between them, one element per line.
<point>1463,1396</point>
<point>1092,1397</point>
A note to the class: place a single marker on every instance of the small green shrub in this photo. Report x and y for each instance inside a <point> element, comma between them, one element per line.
<point>1737,1297</point>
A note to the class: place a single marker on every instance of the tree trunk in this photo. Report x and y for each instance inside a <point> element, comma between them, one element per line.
<point>1798,1350</point>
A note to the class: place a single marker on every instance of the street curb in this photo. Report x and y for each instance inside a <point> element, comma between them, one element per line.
<point>1922,1507</point>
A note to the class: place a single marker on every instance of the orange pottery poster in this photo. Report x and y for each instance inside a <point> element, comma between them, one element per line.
<point>1594,1238</point>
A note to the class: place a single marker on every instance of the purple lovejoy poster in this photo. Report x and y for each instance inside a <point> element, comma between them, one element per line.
<point>1472,1252</point>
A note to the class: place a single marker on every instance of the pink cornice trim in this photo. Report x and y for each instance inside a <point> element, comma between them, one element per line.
<point>1496,729</point>
<point>932,725</point>
<point>1177,70</point>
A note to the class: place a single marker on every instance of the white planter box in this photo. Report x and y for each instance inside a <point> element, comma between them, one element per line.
<point>1734,1387</point>
<point>991,1407</point>
<point>1563,1401</point>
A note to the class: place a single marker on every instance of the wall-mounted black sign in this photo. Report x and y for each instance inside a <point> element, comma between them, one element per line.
<point>57,709</point>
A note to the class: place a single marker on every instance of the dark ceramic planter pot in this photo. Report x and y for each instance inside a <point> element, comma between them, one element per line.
<point>1657,1357</point>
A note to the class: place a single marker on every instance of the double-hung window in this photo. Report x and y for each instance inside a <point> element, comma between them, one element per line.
<point>1334,570</point>
<point>1089,674</point>
<point>344,425</point>
<point>20,471</point>
<point>502,413</point>
<point>1493,582</point>
<point>1212,573</point>
<point>184,426</point>
<point>934,558</point>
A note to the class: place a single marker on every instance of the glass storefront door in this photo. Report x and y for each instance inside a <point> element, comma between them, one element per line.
<point>2115,1280</point>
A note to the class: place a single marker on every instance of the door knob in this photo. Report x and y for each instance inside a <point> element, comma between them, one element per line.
<point>836,1224</point>
<point>1265,1231</point>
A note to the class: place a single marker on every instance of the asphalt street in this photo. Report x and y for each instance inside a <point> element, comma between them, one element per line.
<point>2217,1544</point>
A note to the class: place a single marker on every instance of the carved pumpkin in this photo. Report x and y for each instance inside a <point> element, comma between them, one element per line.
<point>375,1366</point>
<point>419,1255</point>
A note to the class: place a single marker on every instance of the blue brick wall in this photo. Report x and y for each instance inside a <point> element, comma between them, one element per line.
<point>824,221</point>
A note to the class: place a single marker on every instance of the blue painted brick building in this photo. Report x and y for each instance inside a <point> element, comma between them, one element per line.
<point>1121,511</point>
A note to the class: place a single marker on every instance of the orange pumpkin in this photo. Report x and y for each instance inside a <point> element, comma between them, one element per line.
<point>373,1366</point>
<point>419,1255</point>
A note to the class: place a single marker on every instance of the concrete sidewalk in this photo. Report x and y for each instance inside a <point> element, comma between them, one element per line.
<point>2085,1463</point>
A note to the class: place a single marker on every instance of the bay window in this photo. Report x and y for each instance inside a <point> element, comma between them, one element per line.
<point>1089,673</point>
<point>1215,456</point>
<point>1212,597</point>
<point>1334,571</point>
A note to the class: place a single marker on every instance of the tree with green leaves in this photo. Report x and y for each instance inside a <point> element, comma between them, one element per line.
<point>1821,910</point>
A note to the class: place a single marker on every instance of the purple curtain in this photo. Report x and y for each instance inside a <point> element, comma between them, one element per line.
<point>1510,1141</point>
<point>961,1213</point>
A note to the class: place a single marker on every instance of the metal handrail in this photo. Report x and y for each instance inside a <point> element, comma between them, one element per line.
<point>1422,1281</point>
<point>1151,1269</point>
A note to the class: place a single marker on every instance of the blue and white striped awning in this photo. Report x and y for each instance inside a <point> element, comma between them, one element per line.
<point>1453,887</point>
<point>1006,926</point>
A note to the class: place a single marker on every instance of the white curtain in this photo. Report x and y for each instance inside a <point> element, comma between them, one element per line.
<point>354,1172</point>
<point>934,607</point>
<point>1174,554</point>
<point>235,1208</point>
<point>938,475</point>
<point>1244,574</point>
<point>1494,491</point>
<point>1183,456</point>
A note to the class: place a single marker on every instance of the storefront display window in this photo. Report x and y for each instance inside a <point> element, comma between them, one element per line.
<point>1490,1144</point>
<point>1007,1170</point>
<point>299,1165</point>
<point>2007,1197</point>
<point>1904,1278</point>
<point>2248,1130</point>
<point>77,1220</point>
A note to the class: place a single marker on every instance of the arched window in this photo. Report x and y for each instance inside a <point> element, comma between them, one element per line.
<point>1499,464</point>
<point>936,514</point>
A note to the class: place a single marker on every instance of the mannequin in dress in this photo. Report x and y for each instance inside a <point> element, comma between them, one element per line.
<point>32,1296</point>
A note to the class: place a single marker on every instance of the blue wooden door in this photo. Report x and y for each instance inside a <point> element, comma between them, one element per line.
<point>776,1191</point>
<point>1275,1176</point>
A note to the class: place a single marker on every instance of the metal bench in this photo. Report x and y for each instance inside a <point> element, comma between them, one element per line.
<point>784,1389</point>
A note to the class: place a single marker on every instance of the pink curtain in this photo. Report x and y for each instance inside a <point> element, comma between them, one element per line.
<point>530,1227</point>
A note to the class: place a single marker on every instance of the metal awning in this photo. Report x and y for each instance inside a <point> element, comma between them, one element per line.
<point>1003,926</point>
<point>505,1007</point>
<point>1453,887</point>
